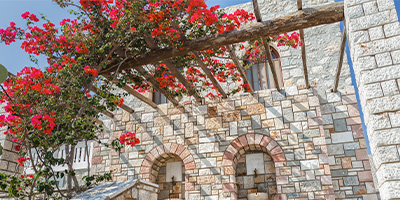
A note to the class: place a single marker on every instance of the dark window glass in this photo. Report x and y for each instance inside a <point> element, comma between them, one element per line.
<point>159,98</point>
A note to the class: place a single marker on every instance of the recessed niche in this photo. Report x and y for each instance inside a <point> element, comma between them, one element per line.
<point>174,169</point>
<point>255,161</point>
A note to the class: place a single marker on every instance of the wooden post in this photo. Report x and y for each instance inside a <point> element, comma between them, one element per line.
<point>266,46</point>
<point>209,75</point>
<point>342,48</point>
<point>303,48</point>
<point>271,63</point>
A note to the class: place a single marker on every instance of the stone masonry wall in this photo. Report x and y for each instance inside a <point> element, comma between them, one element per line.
<point>374,34</point>
<point>318,150</point>
<point>322,47</point>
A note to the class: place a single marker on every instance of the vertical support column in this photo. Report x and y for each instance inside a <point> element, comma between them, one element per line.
<point>374,35</point>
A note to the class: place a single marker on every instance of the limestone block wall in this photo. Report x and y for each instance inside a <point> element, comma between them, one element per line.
<point>374,32</point>
<point>318,150</point>
<point>322,47</point>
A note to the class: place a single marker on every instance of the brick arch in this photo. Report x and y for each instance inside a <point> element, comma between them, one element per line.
<point>154,158</point>
<point>249,142</point>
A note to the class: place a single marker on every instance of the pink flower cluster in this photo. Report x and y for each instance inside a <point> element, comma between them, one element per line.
<point>31,17</point>
<point>9,34</point>
<point>292,40</point>
<point>22,160</point>
<point>91,71</point>
<point>45,122</point>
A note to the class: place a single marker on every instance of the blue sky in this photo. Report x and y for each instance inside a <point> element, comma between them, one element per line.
<point>15,58</point>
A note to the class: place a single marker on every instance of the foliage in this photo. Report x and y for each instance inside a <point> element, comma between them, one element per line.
<point>55,108</point>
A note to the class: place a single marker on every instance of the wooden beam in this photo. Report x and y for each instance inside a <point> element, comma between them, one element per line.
<point>136,94</point>
<point>303,48</point>
<point>299,5</point>
<point>257,11</point>
<point>239,67</point>
<point>98,121</point>
<point>341,55</point>
<point>266,46</point>
<point>139,96</point>
<point>123,106</point>
<point>172,68</point>
<point>303,58</point>
<point>305,18</point>
<point>156,84</point>
<point>109,114</point>
<point>209,75</point>
<point>271,63</point>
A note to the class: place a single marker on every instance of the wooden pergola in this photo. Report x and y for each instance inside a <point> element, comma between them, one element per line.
<point>297,21</point>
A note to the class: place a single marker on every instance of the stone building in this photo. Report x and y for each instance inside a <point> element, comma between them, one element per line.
<point>296,143</point>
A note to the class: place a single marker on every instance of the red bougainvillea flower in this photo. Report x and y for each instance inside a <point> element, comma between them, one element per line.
<point>119,102</point>
<point>22,161</point>
<point>91,71</point>
<point>129,139</point>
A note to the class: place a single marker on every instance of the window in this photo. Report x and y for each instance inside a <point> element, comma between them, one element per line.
<point>159,98</point>
<point>260,74</point>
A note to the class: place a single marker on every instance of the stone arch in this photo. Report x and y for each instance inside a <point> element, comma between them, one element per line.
<point>252,142</point>
<point>162,153</point>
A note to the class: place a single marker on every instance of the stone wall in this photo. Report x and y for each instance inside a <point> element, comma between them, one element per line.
<point>318,150</point>
<point>322,47</point>
<point>374,32</point>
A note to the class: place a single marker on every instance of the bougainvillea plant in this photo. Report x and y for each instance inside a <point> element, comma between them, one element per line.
<point>54,108</point>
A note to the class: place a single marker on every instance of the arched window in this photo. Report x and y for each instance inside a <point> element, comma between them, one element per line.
<point>260,74</point>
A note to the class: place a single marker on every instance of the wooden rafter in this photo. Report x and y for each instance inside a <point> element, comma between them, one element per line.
<point>303,48</point>
<point>305,18</point>
<point>173,69</point>
<point>266,46</point>
<point>135,93</point>
<point>139,96</point>
<point>342,48</point>
<point>271,63</point>
<point>11,74</point>
<point>156,84</point>
<point>239,67</point>
<point>209,75</point>
<point>123,106</point>
<point>109,114</point>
